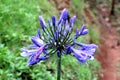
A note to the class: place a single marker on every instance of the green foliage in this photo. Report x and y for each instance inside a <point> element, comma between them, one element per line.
<point>19,21</point>
<point>94,34</point>
<point>76,7</point>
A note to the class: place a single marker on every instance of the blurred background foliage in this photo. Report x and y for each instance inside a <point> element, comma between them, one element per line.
<point>18,22</point>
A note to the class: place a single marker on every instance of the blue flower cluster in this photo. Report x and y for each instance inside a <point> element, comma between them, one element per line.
<point>55,38</point>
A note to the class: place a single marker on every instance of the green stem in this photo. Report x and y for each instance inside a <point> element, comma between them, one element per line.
<point>59,68</point>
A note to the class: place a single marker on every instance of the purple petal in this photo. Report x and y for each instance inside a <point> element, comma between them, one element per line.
<point>35,57</point>
<point>37,41</point>
<point>72,21</point>
<point>58,53</point>
<point>33,46</point>
<point>53,20</point>
<point>91,46</point>
<point>78,52</point>
<point>31,62</point>
<point>38,52</point>
<point>53,40</point>
<point>42,22</point>
<point>59,28</point>
<point>45,52</point>
<point>87,48</point>
<point>68,50</point>
<point>82,56</point>
<point>67,27</point>
<point>38,33</point>
<point>49,23</point>
<point>64,16</point>
<point>56,33</point>
<point>64,33</point>
<point>82,31</point>
<point>85,31</point>
<point>77,32</point>
<point>27,52</point>
<point>74,39</point>
<point>42,58</point>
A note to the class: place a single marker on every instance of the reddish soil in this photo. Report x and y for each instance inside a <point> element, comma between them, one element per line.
<point>109,54</point>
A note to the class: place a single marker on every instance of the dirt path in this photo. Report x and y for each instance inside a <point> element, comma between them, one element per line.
<point>109,54</point>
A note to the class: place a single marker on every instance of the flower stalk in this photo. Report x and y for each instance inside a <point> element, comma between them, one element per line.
<point>59,68</point>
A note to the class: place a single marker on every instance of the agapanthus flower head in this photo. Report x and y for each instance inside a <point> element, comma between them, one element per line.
<point>55,38</point>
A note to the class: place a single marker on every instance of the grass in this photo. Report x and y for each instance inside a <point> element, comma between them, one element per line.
<point>18,22</point>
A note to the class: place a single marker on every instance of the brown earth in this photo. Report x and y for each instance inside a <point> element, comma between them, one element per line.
<point>109,54</point>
